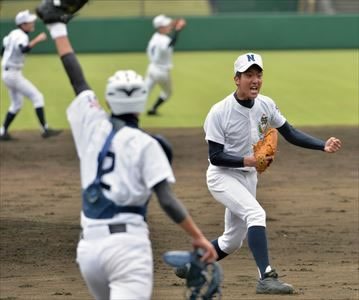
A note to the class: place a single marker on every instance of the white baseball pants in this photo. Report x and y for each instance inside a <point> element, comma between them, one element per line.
<point>160,76</point>
<point>116,266</point>
<point>19,87</point>
<point>236,190</point>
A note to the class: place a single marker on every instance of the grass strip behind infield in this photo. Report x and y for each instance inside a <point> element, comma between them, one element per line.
<point>311,88</point>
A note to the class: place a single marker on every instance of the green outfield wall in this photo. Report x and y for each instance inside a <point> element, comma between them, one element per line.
<point>285,31</point>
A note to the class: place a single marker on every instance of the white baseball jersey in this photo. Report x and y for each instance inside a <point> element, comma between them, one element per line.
<point>237,127</point>
<point>140,162</point>
<point>116,266</point>
<point>159,52</point>
<point>13,57</point>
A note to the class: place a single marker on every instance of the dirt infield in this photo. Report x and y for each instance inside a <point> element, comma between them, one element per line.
<point>311,200</point>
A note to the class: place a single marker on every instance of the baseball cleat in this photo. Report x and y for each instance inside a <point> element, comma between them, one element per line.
<point>6,137</point>
<point>182,272</point>
<point>271,285</point>
<point>50,132</point>
<point>152,112</point>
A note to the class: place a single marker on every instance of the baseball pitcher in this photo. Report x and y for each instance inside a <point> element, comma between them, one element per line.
<point>236,128</point>
<point>120,166</point>
<point>15,45</point>
<point>159,52</point>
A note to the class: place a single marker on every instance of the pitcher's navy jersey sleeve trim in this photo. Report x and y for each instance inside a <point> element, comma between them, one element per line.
<point>221,159</point>
<point>299,138</point>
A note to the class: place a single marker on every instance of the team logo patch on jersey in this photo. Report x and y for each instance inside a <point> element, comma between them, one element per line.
<point>262,125</point>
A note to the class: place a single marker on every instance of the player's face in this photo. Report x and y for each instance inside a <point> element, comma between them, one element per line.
<point>249,83</point>
<point>165,29</point>
<point>28,27</point>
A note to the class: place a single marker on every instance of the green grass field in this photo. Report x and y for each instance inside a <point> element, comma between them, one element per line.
<point>311,88</point>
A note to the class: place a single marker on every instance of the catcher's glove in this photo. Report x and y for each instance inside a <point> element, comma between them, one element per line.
<point>52,11</point>
<point>203,279</point>
<point>264,148</point>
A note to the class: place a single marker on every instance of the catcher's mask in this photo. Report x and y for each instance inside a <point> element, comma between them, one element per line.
<point>126,93</point>
<point>203,279</point>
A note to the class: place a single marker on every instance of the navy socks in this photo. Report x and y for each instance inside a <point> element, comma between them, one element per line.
<point>8,120</point>
<point>220,253</point>
<point>41,116</point>
<point>257,242</point>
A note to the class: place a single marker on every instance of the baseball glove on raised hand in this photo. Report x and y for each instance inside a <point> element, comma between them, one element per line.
<point>202,279</point>
<point>52,11</point>
<point>264,148</point>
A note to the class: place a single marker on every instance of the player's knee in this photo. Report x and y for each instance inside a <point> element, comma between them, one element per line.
<point>257,218</point>
<point>165,95</point>
<point>38,100</point>
<point>229,245</point>
<point>15,108</point>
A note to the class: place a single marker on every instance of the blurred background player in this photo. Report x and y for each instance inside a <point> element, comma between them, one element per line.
<point>159,52</point>
<point>15,45</point>
<point>114,253</point>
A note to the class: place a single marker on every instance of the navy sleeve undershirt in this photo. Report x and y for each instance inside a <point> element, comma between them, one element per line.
<point>299,138</point>
<point>24,49</point>
<point>294,136</point>
<point>218,158</point>
<point>74,72</point>
<point>174,39</point>
<point>2,50</point>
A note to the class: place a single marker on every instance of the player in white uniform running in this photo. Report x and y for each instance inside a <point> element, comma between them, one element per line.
<point>232,127</point>
<point>15,45</point>
<point>159,52</point>
<point>120,167</point>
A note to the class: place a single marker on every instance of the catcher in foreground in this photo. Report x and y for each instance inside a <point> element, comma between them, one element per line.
<point>120,168</point>
<point>232,127</point>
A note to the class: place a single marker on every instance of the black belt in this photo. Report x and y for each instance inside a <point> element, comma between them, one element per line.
<point>12,68</point>
<point>113,228</point>
<point>116,228</point>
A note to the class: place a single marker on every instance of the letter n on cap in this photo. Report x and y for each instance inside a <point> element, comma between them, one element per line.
<point>250,57</point>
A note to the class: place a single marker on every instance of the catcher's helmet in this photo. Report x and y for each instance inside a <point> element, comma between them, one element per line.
<point>126,93</point>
